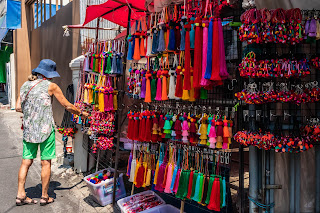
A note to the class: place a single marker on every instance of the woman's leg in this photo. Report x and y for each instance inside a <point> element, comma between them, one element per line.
<point>24,168</point>
<point>45,176</point>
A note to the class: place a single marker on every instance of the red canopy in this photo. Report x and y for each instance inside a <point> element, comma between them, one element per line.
<point>116,11</point>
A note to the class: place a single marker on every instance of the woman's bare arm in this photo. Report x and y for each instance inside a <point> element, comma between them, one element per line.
<point>55,90</point>
<point>18,105</point>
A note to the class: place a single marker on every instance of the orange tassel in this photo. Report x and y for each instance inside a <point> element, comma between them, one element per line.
<point>226,133</point>
<point>164,94</point>
<point>148,87</point>
<point>142,50</point>
<point>136,55</point>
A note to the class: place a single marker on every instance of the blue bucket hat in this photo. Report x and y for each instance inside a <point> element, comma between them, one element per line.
<point>47,68</point>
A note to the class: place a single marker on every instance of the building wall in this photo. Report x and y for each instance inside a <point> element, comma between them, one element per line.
<point>21,51</point>
<point>47,41</point>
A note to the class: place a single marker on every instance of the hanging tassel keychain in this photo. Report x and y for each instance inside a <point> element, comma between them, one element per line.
<point>219,132</point>
<point>226,133</point>
<point>148,77</point>
<point>223,66</point>
<point>136,126</point>
<point>160,160</point>
<point>215,74</point>
<point>164,73</point>
<point>212,134</point>
<point>186,80</point>
<point>140,173</point>
<point>86,90</point>
<point>191,178</point>
<point>162,173</point>
<point>159,87</point>
<point>161,45</point>
<point>230,125</point>
<point>136,54</point>
<point>129,164</point>
<point>155,126</point>
<point>143,84</point>
<point>215,200</point>
<point>206,183</point>
<point>197,71</point>
<point>199,183</point>
<point>184,178</point>
<point>170,171</point>
<point>149,169</point>
<point>133,164</point>
<point>185,128</point>
<point>178,92</point>
<point>178,128</point>
<point>208,71</point>
<point>101,93</point>
<point>130,48</point>
<point>203,130</point>
<point>176,168</point>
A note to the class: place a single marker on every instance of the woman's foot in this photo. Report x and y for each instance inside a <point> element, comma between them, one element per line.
<point>46,200</point>
<point>25,200</point>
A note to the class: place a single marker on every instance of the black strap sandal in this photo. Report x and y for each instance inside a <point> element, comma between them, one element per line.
<point>24,201</point>
<point>47,201</point>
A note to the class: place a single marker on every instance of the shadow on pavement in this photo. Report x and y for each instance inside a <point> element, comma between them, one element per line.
<point>35,192</point>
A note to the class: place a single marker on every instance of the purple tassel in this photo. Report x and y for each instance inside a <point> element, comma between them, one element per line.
<point>312,28</point>
<point>223,66</point>
<point>306,28</point>
<point>129,165</point>
<point>143,88</point>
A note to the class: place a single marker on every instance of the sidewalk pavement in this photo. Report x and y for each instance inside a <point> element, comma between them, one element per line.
<point>68,188</point>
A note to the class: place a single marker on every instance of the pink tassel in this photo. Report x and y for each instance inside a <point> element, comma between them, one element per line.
<point>212,142</point>
<point>159,90</point>
<point>106,102</point>
<point>110,102</point>
<point>223,66</point>
<point>169,179</point>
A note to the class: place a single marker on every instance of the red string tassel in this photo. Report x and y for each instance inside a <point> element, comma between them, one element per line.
<point>197,70</point>
<point>148,127</point>
<point>190,185</point>
<point>214,203</point>
<point>215,75</point>
<point>136,127</point>
<point>179,89</point>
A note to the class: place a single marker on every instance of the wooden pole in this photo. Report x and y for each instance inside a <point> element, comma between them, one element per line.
<point>132,189</point>
<point>50,3</point>
<point>41,12</point>
<point>45,10</point>
<point>182,206</point>
<point>120,107</point>
<point>37,11</point>
<point>57,5</point>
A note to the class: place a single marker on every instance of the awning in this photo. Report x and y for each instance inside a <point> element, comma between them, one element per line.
<point>10,16</point>
<point>116,11</point>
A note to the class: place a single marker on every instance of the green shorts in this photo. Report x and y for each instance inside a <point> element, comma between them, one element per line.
<point>47,148</point>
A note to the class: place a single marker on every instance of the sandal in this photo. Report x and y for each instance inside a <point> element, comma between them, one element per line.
<point>24,201</point>
<point>47,201</point>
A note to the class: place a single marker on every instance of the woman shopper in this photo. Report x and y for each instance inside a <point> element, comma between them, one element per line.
<point>38,126</point>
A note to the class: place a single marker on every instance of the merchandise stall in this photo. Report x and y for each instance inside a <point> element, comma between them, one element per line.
<point>186,88</point>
